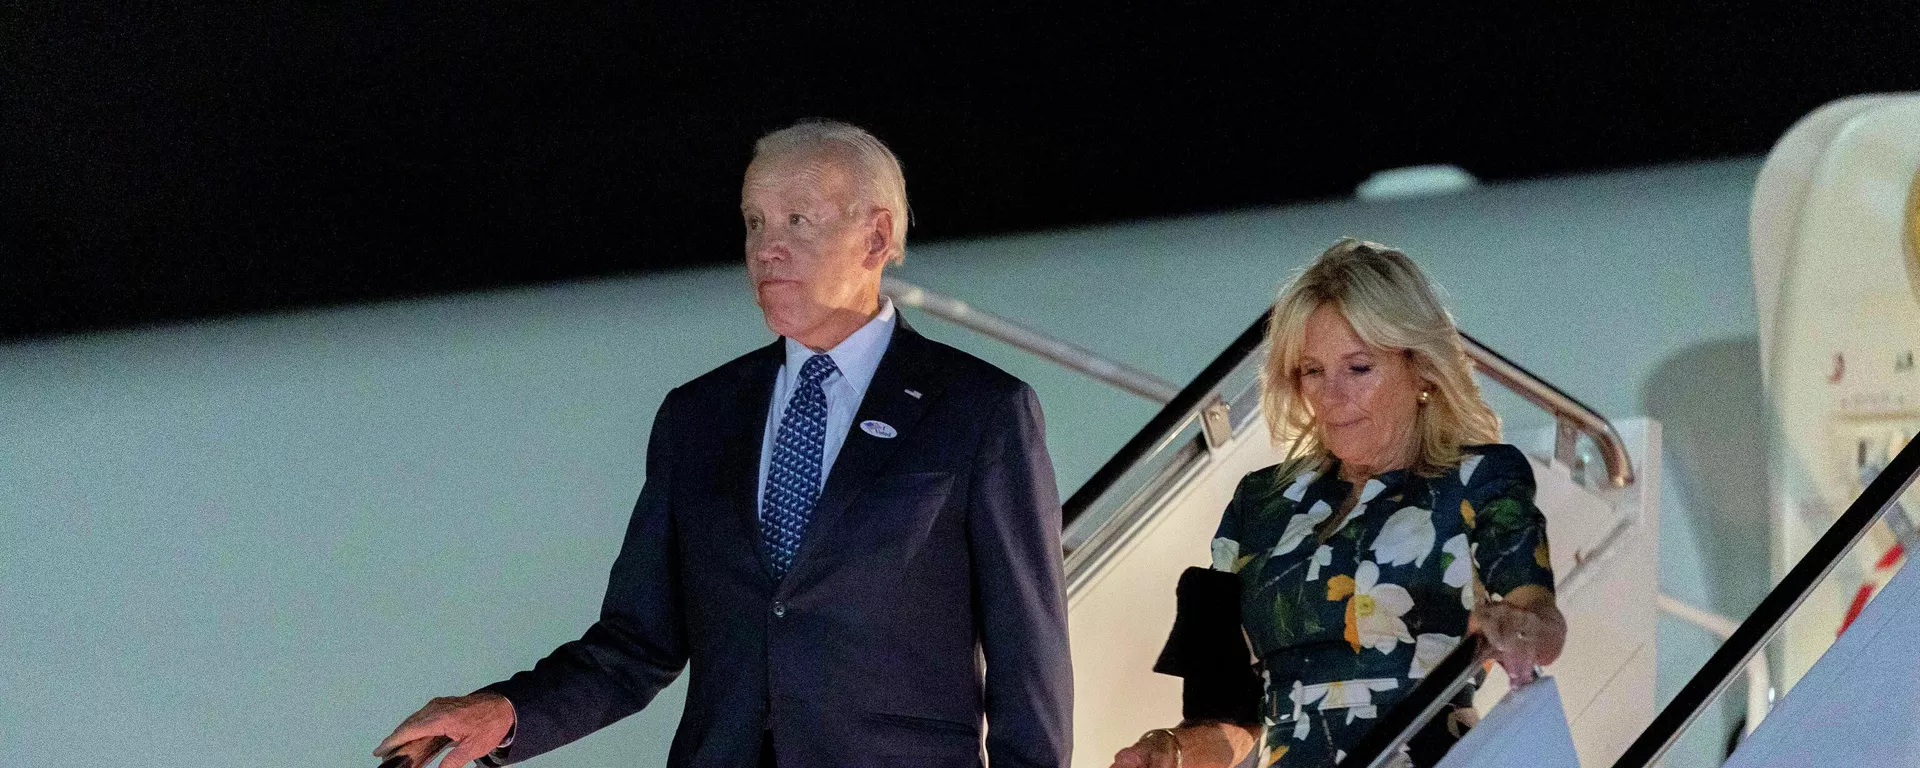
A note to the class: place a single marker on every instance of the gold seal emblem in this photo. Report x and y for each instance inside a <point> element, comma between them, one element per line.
<point>1911,234</point>
<point>1913,220</point>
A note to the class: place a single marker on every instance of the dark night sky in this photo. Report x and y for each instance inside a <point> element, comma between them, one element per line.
<point>158,165</point>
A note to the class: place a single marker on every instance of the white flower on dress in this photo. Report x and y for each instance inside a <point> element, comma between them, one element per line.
<point>1406,538</point>
<point>1428,649</point>
<point>1367,492</point>
<point>1467,466</point>
<point>1374,610</point>
<point>1300,701</point>
<point>1225,552</point>
<point>1356,697</point>
<point>1321,557</point>
<point>1300,525</point>
<point>1460,569</point>
<point>1298,490</point>
<point>1266,684</point>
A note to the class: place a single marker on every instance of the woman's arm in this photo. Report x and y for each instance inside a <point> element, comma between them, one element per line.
<point>1517,616</point>
<point>1220,691</point>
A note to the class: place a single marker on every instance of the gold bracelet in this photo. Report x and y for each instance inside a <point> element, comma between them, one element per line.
<point>1179,758</point>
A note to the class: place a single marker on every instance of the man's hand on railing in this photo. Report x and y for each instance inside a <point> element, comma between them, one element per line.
<point>474,725</point>
<point>1526,630</point>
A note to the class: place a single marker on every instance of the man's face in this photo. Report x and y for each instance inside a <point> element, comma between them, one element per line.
<point>814,261</point>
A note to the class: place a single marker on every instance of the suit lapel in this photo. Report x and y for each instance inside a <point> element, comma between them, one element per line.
<point>904,367</point>
<point>738,473</point>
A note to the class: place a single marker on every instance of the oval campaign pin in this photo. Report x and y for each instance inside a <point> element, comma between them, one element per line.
<point>878,429</point>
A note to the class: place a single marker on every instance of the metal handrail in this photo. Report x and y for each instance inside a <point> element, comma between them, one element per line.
<point>1407,716</point>
<point>1065,353</point>
<point>1194,398</point>
<point>1571,415</point>
<point>1767,619</point>
<point>1759,680</point>
<point>1567,411</point>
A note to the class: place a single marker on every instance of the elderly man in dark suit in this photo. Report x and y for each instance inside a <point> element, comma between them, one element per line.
<point>850,536</point>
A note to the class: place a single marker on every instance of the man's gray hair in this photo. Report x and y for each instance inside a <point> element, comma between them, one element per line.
<point>877,172</point>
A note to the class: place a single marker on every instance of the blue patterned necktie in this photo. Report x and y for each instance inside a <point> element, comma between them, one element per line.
<point>793,476</point>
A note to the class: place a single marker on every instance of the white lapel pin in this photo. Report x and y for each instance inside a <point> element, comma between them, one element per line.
<point>913,393</point>
<point>878,429</point>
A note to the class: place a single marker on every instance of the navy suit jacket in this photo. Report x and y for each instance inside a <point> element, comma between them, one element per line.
<point>927,592</point>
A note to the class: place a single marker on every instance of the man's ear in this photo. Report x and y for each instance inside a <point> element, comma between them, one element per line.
<point>879,237</point>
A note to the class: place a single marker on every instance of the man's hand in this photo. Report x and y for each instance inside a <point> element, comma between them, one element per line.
<point>476,724</point>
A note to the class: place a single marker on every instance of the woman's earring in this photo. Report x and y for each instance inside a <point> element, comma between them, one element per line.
<point>1425,395</point>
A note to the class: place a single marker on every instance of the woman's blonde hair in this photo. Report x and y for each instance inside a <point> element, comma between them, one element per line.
<point>1393,308</point>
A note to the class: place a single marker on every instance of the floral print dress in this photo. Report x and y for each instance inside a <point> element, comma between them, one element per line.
<point>1344,628</point>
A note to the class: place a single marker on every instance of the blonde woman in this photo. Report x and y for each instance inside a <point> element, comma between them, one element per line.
<point>1397,525</point>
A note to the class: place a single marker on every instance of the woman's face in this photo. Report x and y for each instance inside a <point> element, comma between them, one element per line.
<point>1365,399</point>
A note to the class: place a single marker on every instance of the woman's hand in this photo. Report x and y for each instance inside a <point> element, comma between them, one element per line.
<point>1205,744</point>
<point>1155,749</point>
<point>1525,630</point>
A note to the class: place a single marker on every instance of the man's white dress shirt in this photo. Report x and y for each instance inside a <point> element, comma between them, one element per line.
<point>855,360</point>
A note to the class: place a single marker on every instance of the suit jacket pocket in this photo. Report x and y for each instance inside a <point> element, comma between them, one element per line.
<point>894,739</point>
<point>905,485</point>
<point>895,514</point>
<point>931,725</point>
